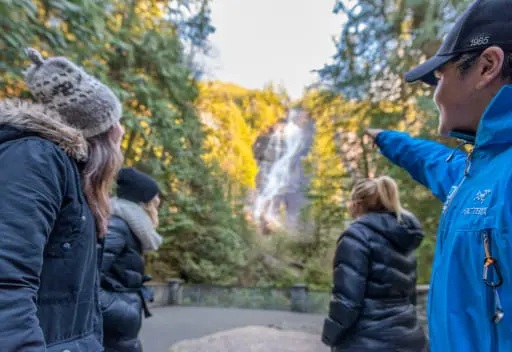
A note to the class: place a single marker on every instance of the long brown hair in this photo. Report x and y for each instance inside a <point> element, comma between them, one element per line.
<point>380,194</point>
<point>103,162</point>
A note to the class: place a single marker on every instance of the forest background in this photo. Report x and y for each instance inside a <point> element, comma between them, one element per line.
<point>196,137</point>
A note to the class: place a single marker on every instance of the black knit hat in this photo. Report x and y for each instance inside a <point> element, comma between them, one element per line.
<point>136,186</point>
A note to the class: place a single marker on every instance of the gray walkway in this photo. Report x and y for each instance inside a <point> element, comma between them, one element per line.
<point>172,324</point>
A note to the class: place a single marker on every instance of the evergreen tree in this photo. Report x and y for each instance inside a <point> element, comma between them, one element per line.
<point>137,47</point>
<point>379,42</point>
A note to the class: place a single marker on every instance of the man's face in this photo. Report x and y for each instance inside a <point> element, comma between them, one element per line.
<point>454,98</point>
<point>462,97</point>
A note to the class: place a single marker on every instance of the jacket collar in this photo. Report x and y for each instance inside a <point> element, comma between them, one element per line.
<point>495,128</point>
<point>18,119</point>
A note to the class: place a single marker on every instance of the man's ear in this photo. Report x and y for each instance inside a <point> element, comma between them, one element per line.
<point>489,66</point>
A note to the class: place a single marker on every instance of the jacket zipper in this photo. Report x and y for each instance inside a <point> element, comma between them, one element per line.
<point>446,210</point>
<point>466,174</point>
<point>494,347</point>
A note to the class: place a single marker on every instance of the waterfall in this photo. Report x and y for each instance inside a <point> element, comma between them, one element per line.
<point>282,178</point>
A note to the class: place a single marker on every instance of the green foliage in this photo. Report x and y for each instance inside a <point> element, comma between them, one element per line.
<point>197,139</point>
<point>329,173</point>
<point>137,48</point>
<point>317,274</point>
<point>379,42</point>
<point>234,117</point>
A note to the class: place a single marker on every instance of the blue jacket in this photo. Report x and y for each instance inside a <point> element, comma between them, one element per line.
<point>49,277</point>
<point>476,190</point>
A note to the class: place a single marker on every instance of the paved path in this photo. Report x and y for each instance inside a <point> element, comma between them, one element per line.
<point>172,324</point>
<point>253,339</point>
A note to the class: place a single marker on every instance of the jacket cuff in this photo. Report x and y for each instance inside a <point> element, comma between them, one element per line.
<point>332,332</point>
<point>383,138</point>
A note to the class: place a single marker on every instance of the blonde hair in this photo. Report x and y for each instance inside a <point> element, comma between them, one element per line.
<point>151,209</point>
<point>379,194</point>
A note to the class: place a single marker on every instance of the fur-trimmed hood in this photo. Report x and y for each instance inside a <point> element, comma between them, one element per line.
<point>37,119</point>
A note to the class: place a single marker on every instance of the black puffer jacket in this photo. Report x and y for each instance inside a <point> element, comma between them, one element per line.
<point>372,307</point>
<point>122,288</point>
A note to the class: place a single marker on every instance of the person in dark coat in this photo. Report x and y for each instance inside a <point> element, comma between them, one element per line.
<point>58,155</point>
<point>131,233</point>
<point>373,300</point>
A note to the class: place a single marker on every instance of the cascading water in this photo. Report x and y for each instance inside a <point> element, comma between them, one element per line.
<point>281,179</point>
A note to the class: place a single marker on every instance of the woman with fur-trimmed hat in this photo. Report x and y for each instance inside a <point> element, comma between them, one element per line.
<point>58,156</point>
<point>131,233</point>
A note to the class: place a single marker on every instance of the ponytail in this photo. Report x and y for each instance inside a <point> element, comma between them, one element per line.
<point>389,195</point>
<point>380,194</point>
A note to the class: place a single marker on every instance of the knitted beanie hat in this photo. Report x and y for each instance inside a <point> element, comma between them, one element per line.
<point>136,186</point>
<point>82,101</point>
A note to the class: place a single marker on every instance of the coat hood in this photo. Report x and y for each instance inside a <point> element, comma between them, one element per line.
<point>405,235</point>
<point>19,118</point>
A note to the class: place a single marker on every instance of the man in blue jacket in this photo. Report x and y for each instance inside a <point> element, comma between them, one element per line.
<point>470,301</point>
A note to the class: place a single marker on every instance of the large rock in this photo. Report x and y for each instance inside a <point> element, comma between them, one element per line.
<point>253,339</point>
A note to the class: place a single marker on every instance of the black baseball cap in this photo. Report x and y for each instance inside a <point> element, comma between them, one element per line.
<point>485,23</point>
